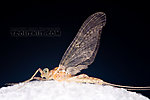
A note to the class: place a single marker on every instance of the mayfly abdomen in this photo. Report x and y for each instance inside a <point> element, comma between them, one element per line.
<point>83,78</point>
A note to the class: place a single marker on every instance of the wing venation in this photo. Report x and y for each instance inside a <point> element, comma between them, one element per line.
<point>83,49</point>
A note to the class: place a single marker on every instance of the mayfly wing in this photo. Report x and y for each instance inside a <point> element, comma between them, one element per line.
<point>84,47</point>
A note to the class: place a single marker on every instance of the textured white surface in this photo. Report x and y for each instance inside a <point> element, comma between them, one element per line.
<point>52,90</point>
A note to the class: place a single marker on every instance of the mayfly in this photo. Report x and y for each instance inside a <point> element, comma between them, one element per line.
<point>80,54</point>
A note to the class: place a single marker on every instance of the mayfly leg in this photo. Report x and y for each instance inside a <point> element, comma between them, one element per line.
<point>38,70</point>
<point>39,78</point>
<point>33,77</point>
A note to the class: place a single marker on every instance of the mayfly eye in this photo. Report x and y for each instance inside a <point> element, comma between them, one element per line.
<point>45,70</point>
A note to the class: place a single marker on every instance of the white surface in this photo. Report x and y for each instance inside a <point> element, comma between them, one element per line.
<point>52,90</point>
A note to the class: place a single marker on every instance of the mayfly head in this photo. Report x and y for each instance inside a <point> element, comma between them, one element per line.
<point>46,73</point>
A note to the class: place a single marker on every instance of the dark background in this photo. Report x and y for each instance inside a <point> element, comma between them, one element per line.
<point>123,57</point>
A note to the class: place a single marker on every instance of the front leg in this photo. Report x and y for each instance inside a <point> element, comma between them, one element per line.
<point>33,77</point>
<point>38,70</point>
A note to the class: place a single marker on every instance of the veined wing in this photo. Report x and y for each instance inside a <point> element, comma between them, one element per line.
<point>84,47</point>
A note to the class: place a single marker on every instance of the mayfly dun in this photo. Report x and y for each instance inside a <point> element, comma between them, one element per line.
<point>81,53</point>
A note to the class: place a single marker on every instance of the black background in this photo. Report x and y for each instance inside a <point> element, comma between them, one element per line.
<point>123,57</point>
